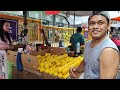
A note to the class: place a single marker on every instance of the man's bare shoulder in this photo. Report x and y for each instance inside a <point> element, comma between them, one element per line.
<point>109,53</point>
<point>110,50</point>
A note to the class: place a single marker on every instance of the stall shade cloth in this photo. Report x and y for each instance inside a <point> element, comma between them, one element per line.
<point>78,13</point>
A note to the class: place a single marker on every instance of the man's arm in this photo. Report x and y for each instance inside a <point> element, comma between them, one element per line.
<point>109,63</point>
<point>81,67</point>
<point>3,47</point>
<point>75,71</point>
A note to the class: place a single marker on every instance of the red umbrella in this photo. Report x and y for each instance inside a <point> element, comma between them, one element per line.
<point>116,19</point>
<point>52,12</point>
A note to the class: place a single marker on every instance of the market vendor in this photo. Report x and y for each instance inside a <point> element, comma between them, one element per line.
<point>77,37</point>
<point>5,44</point>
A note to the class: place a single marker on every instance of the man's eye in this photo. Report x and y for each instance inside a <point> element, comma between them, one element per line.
<point>100,23</point>
<point>91,23</point>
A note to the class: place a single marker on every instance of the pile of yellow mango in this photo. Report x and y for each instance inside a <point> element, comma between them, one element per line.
<point>58,65</point>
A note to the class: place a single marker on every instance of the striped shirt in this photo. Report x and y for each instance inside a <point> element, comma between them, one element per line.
<point>91,57</point>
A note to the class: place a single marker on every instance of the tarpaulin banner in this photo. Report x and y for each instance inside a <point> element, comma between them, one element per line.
<point>13,28</point>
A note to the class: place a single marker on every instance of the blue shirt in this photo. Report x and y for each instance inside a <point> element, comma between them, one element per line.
<point>75,38</point>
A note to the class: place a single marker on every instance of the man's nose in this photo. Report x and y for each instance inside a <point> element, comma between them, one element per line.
<point>96,26</point>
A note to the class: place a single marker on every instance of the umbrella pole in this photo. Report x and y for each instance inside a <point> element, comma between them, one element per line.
<point>25,15</point>
<point>74,22</point>
<point>42,27</point>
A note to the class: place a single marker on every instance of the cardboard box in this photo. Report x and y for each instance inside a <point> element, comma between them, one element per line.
<point>11,55</point>
<point>58,51</point>
<point>30,62</point>
<point>52,50</point>
<point>42,52</point>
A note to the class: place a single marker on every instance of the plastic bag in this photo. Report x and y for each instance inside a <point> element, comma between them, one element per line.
<point>10,65</point>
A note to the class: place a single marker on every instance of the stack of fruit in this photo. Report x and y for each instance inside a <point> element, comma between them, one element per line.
<point>58,65</point>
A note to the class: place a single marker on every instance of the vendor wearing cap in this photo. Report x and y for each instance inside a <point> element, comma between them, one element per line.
<point>101,55</point>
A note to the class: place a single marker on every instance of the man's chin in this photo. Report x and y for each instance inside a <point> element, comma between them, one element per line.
<point>96,37</point>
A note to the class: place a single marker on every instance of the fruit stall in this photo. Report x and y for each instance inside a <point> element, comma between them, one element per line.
<point>50,63</point>
<point>34,27</point>
<point>47,62</point>
<point>54,34</point>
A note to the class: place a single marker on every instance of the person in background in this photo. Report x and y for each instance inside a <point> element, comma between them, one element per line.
<point>101,55</point>
<point>5,38</point>
<point>5,44</point>
<point>24,38</point>
<point>116,38</point>
<point>77,37</point>
<point>119,41</point>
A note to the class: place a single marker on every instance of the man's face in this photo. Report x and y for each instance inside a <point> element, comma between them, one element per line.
<point>98,26</point>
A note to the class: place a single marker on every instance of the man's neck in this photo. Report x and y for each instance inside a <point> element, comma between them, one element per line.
<point>97,41</point>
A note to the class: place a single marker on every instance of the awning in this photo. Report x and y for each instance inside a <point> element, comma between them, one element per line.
<point>77,13</point>
<point>116,19</point>
<point>74,16</point>
<point>52,12</point>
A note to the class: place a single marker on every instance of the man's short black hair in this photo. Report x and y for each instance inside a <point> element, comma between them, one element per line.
<point>79,29</point>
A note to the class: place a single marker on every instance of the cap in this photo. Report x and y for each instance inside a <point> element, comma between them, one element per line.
<point>103,13</point>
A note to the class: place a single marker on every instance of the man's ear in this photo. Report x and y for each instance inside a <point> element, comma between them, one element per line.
<point>109,26</point>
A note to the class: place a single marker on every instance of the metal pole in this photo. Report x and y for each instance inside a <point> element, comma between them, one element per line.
<point>74,22</point>
<point>54,20</point>
<point>68,25</point>
<point>41,16</point>
<point>41,35</point>
<point>25,14</point>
